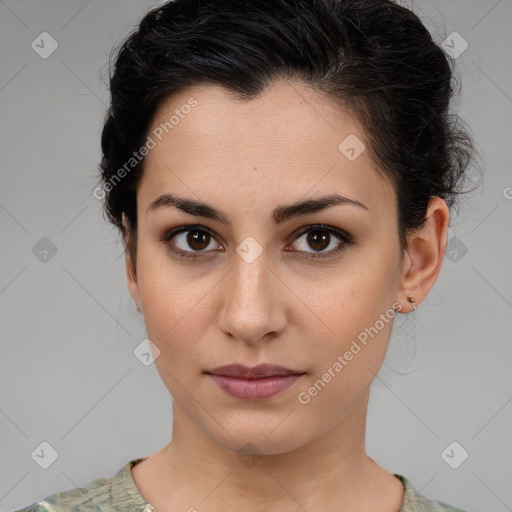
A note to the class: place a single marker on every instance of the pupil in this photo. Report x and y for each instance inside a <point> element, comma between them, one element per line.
<point>198,237</point>
<point>318,242</point>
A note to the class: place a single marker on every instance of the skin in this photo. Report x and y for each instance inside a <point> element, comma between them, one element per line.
<point>246,158</point>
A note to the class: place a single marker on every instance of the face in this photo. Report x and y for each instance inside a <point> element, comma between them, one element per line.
<point>311,290</point>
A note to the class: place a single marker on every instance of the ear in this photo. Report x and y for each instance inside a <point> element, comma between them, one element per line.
<point>425,254</point>
<point>131,271</point>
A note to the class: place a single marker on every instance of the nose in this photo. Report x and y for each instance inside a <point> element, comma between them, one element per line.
<point>254,307</point>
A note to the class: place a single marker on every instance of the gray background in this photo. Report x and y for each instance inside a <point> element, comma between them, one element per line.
<point>68,326</point>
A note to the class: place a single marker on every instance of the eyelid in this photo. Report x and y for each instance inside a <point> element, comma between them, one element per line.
<point>171,233</point>
<point>345,238</point>
<point>342,234</point>
<point>184,228</point>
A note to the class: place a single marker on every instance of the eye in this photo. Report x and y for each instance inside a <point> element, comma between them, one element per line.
<point>191,241</point>
<point>184,238</point>
<point>320,237</point>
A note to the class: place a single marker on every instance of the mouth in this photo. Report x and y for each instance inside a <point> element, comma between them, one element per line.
<point>257,383</point>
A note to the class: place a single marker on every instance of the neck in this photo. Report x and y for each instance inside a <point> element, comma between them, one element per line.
<point>332,471</point>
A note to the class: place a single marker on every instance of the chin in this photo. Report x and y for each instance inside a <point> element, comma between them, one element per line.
<point>250,438</point>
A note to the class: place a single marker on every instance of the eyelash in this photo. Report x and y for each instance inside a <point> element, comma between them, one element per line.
<point>345,240</point>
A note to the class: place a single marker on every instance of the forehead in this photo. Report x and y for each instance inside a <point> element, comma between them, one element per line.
<point>287,138</point>
<point>283,112</point>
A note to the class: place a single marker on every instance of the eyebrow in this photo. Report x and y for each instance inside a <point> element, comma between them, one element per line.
<point>279,215</point>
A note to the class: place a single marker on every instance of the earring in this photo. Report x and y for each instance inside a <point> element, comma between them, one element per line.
<point>413,302</point>
<point>138,308</point>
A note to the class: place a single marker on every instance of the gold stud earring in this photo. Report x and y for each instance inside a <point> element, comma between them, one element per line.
<point>413,302</point>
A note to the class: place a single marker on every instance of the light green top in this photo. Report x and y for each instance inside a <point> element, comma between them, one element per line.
<point>120,494</point>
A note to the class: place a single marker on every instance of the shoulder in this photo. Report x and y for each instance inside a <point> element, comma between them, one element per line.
<point>416,502</point>
<point>95,495</point>
<point>101,494</point>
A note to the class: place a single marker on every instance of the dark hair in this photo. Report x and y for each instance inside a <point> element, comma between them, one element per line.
<point>373,57</point>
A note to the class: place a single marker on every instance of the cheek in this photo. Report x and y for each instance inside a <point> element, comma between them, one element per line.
<point>349,298</point>
<point>352,321</point>
<point>175,300</point>
<point>345,368</point>
<point>176,319</point>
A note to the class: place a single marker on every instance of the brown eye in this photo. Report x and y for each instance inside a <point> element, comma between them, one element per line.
<point>195,241</point>
<point>189,241</point>
<point>198,240</point>
<point>320,239</point>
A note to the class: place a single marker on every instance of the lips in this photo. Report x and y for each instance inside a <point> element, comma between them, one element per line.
<point>257,383</point>
<point>258,372</point>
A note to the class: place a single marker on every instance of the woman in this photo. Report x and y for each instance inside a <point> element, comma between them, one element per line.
<point>282,174</point>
